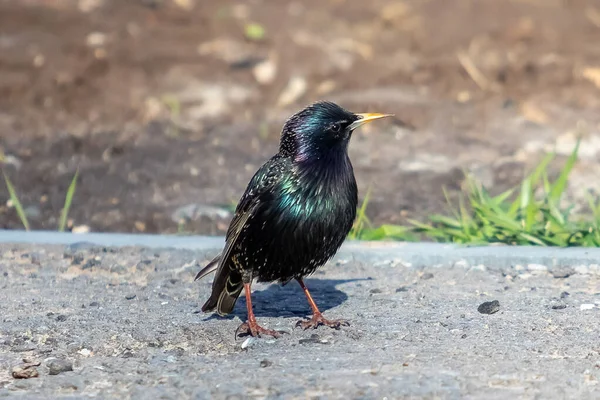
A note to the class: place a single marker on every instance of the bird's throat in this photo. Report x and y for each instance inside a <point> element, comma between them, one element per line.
<point>326,170</point>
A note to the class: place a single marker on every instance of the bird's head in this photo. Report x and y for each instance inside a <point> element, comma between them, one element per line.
<point>320,129</point>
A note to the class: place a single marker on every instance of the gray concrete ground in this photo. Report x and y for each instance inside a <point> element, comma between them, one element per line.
<point>127,320</point>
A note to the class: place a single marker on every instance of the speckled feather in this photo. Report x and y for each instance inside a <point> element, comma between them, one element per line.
<point>296,211</point>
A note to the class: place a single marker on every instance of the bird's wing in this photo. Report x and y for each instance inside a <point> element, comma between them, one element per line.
<point>235,228</point>
<point>261,184</point>
<point>210,267</point>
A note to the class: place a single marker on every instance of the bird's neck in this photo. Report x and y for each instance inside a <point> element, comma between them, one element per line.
<point>328,167</point>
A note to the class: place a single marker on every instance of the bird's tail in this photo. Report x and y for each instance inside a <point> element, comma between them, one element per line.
<point>226,288</point>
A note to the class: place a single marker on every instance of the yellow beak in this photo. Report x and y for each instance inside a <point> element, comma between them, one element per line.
<point>366,118</point>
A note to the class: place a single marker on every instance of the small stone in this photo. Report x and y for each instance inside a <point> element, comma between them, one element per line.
<point>537,268</point>
<point>25,371</point>
<point>375,291</point>
<point>314,338</point>
<point>562,272</point>
<point>265,363</point>
<point>264,72</point>
<point>564,295</point>
<point>85,352</point>
<point>77,259</point>
<point>72,383</point>
<point>61,318</point>
<point>96,39</point>
<point>57,366</point>
<point>81,229</point>
<point>426,276</point>
<point>582,269</point>
<point>130,296</point>
<point>127,354</point>
<point>489,307</point>
<point>94,304</point>
<point>402,289</point>
<point>35,258</point>
<point>559,306</point>
<point>143,265</point>
<point>248,342</point>
<point>91,263</point>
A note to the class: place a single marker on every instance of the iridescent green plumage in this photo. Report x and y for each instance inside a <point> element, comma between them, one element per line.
<point>296,211</point>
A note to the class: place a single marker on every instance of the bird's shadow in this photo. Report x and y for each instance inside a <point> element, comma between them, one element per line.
<point>289,300</point>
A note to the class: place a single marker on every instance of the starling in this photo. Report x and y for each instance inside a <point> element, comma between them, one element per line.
<point>294,215</point>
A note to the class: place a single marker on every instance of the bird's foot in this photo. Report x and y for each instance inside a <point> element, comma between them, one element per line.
<point>251,328</point>
<point>318,320</point>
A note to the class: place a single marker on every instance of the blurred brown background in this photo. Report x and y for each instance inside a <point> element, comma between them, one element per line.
<point>168,106</point>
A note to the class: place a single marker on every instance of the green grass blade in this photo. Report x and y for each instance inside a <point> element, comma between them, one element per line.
<point>532,239</point>
<point>530,215</point>
<point>526,193</point>
<point>361,218</point>
<point>396,232</point>
<point>541,169</point>
<point>68,200</point>
<point>502,197</point>
<point>546,183</point>
<point>559,186</point>
<point>555,212</point>
<point>449,203</point>
<point>446,221</point>
<point>467,222</point>
<point>15,200</point>
<point>504,222</point>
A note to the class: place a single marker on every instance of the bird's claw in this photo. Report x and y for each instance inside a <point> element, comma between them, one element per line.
<point>253,329</point>
<point>318,320</point>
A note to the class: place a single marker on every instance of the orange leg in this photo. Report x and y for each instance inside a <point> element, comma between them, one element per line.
<point>251,327</point>
<point>317,318</point>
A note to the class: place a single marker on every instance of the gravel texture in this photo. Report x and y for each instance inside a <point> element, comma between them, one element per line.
<point>127,321</point>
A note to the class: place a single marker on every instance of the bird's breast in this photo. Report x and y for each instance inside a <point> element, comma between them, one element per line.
<point>303,223</point>
<point>317,192</point>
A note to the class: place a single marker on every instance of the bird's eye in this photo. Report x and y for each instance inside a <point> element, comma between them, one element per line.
<point>336,128</point>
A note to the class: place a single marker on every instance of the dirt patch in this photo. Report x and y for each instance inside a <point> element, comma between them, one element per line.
<point>163,106</point>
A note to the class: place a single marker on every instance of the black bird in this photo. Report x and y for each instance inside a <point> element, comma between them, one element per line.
<point>295,214</point>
